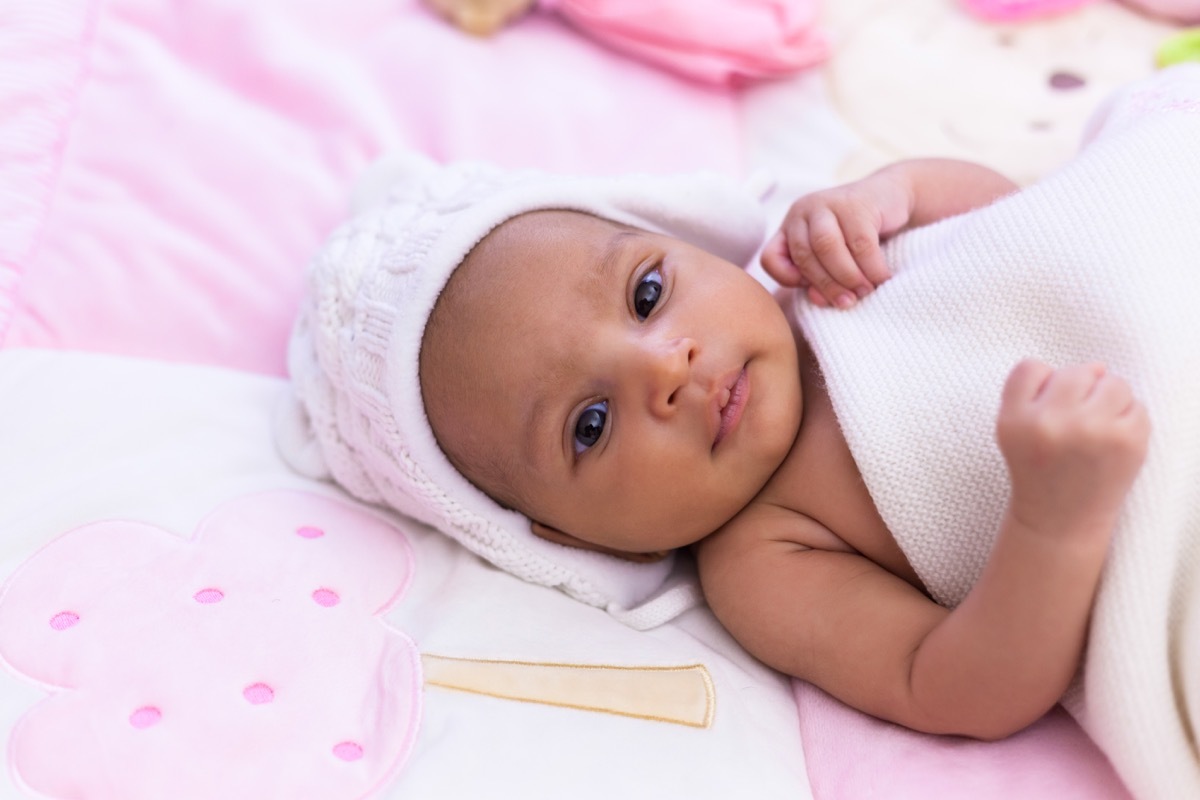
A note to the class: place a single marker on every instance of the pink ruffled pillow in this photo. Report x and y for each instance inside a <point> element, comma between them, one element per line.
<point>714,41</point>
<point>1014,10</point>
<point>1186,11</point>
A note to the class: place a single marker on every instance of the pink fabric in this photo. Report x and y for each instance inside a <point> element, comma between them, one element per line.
<point>170,166</point>
<point>1185,11</point>
<point>1014,10</point>
<point>852,756</point>
<point>209,667</point>
<point>715,41</point>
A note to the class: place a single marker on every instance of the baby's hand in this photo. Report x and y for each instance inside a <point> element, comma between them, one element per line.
<point>828,244</point>
<point>1074,439</point>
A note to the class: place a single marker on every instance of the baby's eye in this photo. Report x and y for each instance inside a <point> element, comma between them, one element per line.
<point>590,425</point>
<point>645,296</point>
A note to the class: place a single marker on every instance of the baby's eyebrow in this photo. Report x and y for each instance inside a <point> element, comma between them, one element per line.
<point>611,259</point>
<point>544,391</point>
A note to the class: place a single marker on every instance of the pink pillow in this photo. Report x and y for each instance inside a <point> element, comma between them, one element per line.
<point>1012,10</point>
<point>1186,11</point>
<point>713,41</point>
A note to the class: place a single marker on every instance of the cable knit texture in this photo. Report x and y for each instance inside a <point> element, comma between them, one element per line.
<point>1100,261</point>
<point>356,413</point>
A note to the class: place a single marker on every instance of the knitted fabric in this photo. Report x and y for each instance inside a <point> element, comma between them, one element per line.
<point>356,413</point>
<point>1099,262</point>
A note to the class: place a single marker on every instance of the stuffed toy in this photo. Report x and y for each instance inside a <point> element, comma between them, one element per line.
<point>920,77</point>
<point>1185,11</point>
<point>481,17</point>
<point>723,42</point>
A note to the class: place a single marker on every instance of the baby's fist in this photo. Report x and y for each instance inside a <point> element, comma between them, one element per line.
<point>1074,440</point>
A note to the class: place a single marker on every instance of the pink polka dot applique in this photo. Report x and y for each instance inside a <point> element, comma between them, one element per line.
<point>326,597</point>
<point>207,596</point>
<point>258,693</point>
<point>63,620</point>
<point>348,751</point>
<point>261,628</point>
<point>145,717</point>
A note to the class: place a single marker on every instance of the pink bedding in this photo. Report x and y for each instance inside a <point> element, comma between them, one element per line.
<point>168,167</point>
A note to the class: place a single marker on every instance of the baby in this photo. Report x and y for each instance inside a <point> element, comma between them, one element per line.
<point>631,393</point>
<point>575,378</point>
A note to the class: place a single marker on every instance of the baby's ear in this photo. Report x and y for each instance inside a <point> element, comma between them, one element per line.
<point>566,539</point>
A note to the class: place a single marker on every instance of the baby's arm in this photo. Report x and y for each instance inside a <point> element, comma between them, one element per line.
<point>1074,439</point>
<point>829,241</point>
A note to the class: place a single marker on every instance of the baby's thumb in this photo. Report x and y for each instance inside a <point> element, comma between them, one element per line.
<point>778,263</point>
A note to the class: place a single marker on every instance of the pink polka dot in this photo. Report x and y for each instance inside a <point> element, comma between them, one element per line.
<point>326,597</point>
<point>309,532</point>
<point>63,620</point>
<point>209,595</point>
<point>258,693</point>
<point>348,751</point>
<point>145,716</point>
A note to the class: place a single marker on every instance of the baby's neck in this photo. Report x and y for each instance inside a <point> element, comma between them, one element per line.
<point>820,480</point>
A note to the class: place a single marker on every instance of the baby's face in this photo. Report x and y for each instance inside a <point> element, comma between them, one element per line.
<point>625,388</point>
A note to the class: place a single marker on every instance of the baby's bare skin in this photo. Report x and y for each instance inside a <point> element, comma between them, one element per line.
<point>821,591</point>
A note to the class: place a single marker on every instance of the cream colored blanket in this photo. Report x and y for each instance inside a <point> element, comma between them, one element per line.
<point>1099,261</point>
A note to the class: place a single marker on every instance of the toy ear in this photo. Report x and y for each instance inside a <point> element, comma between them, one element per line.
<point>567,540</point>
<point>481,17</point>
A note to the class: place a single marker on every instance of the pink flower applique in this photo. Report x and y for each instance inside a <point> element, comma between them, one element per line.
<point>247,661</point>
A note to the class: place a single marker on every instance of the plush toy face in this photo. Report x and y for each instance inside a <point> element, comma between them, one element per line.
<point>926,78</point>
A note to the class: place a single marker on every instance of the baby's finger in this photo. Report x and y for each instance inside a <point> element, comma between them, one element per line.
<point>1072,385</point>
<point>816,298</point>
<point>1111,396</point>
<point>826,262</point>
<point>862,240</point>
<point>778,264</point>
<point>1026,382</point>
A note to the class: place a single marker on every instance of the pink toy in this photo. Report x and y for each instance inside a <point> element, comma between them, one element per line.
<point>1014,10</point>
<point>712,41</point>
<point>1186,11</point>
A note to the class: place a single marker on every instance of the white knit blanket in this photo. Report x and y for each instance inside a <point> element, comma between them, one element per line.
<point>1100,261</point>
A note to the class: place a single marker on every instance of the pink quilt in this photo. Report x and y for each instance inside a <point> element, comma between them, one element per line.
<point>169,166</point>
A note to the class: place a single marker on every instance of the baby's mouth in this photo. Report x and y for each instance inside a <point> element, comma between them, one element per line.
<point>731,402</point>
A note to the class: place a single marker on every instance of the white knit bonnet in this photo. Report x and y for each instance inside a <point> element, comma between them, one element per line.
<point>355,412</point>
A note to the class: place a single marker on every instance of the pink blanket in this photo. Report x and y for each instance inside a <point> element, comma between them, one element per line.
<point>171,166</point>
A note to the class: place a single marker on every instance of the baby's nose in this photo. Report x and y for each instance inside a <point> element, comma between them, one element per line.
<point>668,366</point>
